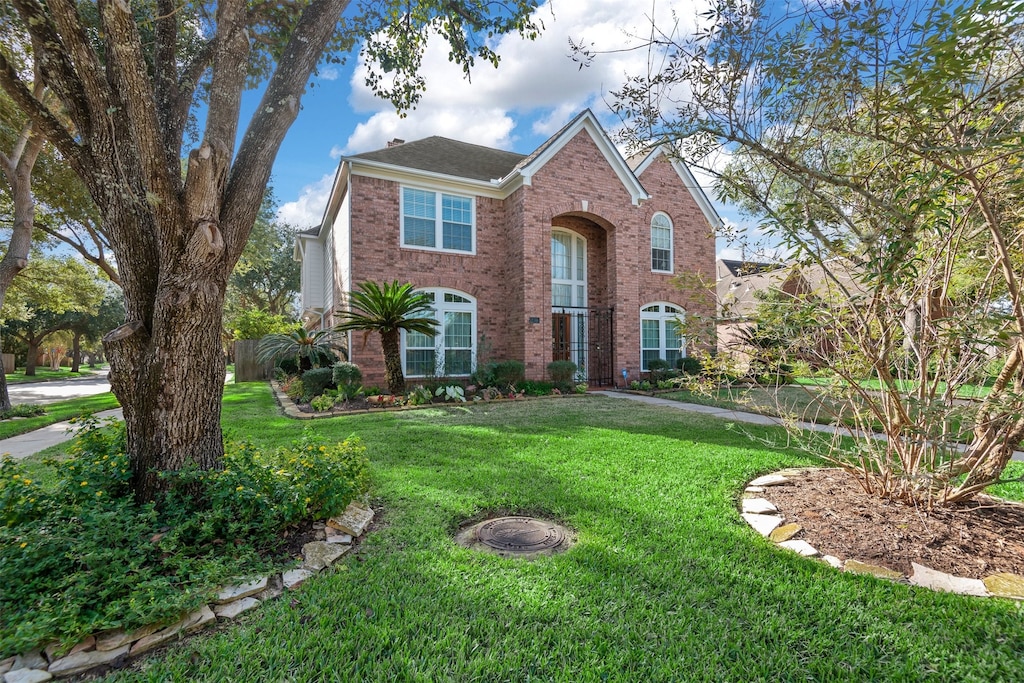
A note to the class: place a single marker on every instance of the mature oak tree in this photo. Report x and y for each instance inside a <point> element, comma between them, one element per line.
<point>125,79</point>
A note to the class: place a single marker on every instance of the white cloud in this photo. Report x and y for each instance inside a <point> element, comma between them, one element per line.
<point>308,210</point>
<point>336,152</point>
<point>535,77</point>
<point>329,73</point>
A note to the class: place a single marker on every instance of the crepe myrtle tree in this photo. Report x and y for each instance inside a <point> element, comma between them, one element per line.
<point>881,144</point>
<point>125,83</point>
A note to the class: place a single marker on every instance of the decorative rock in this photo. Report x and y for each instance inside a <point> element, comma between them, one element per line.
<point>792,472</point>
<point>1005,585</point>
<point>758,506</point>
<point>763,524</point>
<point>273,590</point>
<point>770,480</point>
<point>319,554</point>
<point>800,548</point>
<point>353,521</point>
<point>193,622</point>
<point>111,640</point>
<point>83,661</point>
<point>941,581</point>
<point>27,676</point>
<point>344,539</point>
<point>754,489</point>
<point>293,578</point>
<point>86,645</point>
<point>858,567</point>
<point>6,665</point>
<point>242,590</point>
<point>233,609</point>
<point>833,560</point>
<point>33,659</point>
<point>785,532</point>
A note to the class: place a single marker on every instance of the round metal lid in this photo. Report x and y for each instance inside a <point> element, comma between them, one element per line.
<point>520,534</point>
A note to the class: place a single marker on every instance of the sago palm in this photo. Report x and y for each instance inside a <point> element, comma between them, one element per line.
<point>388,309</point>
<point>308,349</point>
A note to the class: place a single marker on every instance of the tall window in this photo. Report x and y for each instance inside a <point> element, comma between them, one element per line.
<point>451,351</point>
<point>661,243</point>
<point>660,334</point>
<point>568,270</point>
<point>434,220</point>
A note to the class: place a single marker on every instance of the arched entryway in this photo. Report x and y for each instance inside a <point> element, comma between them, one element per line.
<point>581,317</point>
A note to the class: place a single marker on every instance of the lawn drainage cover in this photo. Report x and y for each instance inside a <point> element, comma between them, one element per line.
<point>516,536</point>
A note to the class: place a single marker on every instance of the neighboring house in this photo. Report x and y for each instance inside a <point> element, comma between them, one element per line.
<point>742,284</point>
<point>566,253</point>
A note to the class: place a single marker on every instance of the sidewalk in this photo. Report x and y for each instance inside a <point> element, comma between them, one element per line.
<point>734,415</point>
<point>24,445</point>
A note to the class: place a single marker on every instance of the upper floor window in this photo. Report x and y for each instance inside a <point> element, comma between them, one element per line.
<point>661,243</point>
<point>434,220</point>
<point>451,351</point>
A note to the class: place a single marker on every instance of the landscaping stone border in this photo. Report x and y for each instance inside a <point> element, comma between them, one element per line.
<point>765,518</point>
<point>292,410</point>
<point>111,648</point>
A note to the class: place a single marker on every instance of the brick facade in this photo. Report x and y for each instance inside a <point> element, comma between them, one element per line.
<point>577,189</point>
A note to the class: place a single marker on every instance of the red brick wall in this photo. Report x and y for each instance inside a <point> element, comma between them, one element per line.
<point>510,275</point>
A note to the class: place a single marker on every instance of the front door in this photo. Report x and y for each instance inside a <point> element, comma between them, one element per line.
<point>561,332</point>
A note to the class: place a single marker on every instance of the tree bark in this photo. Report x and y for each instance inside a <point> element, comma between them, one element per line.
<point>76,351</point>
<point>5,398</point>
<point>169,379</point>
<point>31,358</point>
<point>390,340</point>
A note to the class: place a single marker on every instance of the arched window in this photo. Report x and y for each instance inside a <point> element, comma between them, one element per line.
<point>661,243</point>
<point>451,352</point>
<point>661,334</point>
<point>568,270</point>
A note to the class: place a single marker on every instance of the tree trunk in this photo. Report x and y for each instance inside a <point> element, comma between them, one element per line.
<point>390,340</point>
<point>31,359</point>
<point>76,351</point>
<point>170,381</point>
<point>5,398</point>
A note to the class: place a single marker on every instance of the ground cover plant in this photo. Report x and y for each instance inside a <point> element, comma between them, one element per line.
<point>665,581</point>
<point>80,555</point>
<point>59,411</point>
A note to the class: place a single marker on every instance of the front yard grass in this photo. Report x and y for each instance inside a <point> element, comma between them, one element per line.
<point>45,374</point>
<point>665,582</point>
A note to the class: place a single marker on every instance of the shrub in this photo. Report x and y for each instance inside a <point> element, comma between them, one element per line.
<point>502,373</point>
<point>347,377</point>
<point>292,387</point>
<point>316,381</point>
<point>562,373</point>
<point>22,410</point>
<point>80,556</point>
<point>419,396</point>
<point>451,392</point>
<point>658,368</point>
<point>323,402</point>
<point>290,366</point>
<point>689,365</point>
<point>535,388</point>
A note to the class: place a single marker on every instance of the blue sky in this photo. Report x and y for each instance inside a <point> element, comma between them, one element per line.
<point>536,90</point>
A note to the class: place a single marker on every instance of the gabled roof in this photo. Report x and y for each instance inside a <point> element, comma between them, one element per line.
<point>684,173</point>
<point>447,157</point>
<point>585,120</point>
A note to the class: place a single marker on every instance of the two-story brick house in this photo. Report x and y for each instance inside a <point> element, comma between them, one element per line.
<point>566,253</point>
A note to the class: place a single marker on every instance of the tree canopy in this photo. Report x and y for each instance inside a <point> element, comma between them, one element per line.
<point>884,140</point>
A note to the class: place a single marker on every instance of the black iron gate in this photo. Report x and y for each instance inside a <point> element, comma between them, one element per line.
<point>586,337</point>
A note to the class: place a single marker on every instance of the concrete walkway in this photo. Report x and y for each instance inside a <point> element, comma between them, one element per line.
<point>24,445</point>
<point>735,415</point>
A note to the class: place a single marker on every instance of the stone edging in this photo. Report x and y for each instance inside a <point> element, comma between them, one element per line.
<point>291,410</point>
<point>765,518</point>
<point>114,647</point>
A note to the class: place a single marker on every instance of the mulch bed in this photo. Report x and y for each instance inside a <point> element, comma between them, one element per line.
<point>974,540</point>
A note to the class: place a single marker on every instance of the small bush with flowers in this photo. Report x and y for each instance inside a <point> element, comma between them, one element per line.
<point>80,556</point>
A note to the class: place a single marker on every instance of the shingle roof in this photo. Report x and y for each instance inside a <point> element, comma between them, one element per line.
<point>448,157</point>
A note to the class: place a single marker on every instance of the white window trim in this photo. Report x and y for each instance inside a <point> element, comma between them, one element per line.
<point>439,308</point>
<point>661,315</point>
<point>580,279</point>
<point>671,244</point>
<point>438,220</point>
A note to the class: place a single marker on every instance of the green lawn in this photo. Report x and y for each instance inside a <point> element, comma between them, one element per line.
<point>665,582</point>
<point>58,412</point>
<point>807,404</point>
<point>45,375</point>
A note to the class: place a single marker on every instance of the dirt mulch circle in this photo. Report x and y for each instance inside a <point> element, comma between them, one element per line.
<point>973,540</point>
